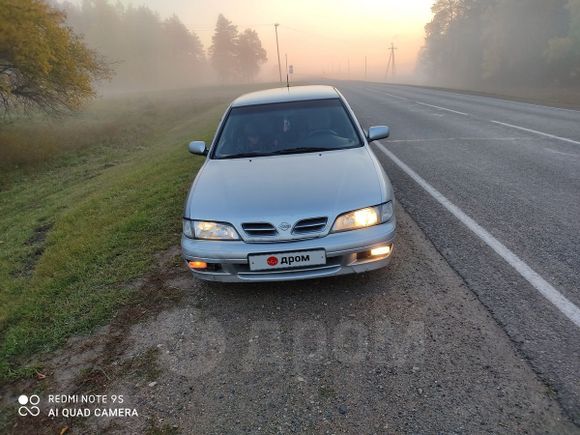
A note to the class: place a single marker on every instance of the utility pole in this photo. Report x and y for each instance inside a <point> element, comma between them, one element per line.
<point>278,51</point>
<point>287,77</point>
<point>393,57</point>
<point>391,62</point>
<point>365,68</point>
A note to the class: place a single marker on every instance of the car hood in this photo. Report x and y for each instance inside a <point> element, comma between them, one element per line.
<point>287,187</point>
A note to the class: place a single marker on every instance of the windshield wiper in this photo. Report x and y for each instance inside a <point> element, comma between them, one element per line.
<point>302,150</point>
<point>242,155</point>
<point>296,150</point>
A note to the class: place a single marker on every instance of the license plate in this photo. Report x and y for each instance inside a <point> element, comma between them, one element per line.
<point>287,260</point>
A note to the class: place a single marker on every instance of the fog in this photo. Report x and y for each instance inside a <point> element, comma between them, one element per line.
<point>502,43</point>
<point>145,51</point>
<point>459,43</point>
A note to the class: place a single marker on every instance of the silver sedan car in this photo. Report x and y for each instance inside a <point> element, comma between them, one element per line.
<point>290,190</point>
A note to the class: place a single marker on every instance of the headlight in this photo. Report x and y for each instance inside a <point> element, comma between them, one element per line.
<point>206,230</point>
<point>364,217</point>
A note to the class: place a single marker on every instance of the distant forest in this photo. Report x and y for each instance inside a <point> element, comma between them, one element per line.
<point>148,52</point>
<point>503,42</point>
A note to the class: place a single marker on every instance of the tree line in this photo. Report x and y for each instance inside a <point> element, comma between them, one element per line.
<point>149,52</point>
<point>53,53</point>
<point>143,50</point>
<point>503,42</point>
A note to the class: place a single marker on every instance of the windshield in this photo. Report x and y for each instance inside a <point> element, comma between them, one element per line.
<point>286,128</point>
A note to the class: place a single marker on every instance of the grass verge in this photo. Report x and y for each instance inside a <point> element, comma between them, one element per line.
<point>85,203</point>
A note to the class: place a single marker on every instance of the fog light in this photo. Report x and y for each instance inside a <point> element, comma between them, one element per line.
<point>197,264</point>
<point>381,251</point>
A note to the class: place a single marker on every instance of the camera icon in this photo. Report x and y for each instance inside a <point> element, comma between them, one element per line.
<point>28,405</point>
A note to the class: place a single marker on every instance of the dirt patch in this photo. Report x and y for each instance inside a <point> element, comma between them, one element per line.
<point>37,244</point>
<point>39,235</point>
<point>92,364</point>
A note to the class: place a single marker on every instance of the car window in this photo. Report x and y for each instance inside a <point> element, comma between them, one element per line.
<point>295,127</point>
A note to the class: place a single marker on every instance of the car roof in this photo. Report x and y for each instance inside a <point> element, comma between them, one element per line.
<point>283,95</point>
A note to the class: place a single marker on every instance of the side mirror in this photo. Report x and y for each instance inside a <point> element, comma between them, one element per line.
<point>378,132</point>
<point>197,147</point>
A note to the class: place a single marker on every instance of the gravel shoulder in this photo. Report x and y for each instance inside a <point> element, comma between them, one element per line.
<point>405,349</point>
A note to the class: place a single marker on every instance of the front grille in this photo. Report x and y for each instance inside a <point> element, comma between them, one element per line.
<point>312,225</point>
<point>259,229</point>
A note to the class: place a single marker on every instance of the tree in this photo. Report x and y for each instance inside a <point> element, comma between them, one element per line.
<point>183,51</point>
<point>516,36</point>
<point>223,51</point>
<point>563,52</point>
<point>233,55</point>
<point>453,51</point>
<point>181,42</point>
<point>250,54</point>
<point>43,64</point>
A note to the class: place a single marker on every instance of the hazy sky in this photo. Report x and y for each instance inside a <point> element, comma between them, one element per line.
<point>319,36</point>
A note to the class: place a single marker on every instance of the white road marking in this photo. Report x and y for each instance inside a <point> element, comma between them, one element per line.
<point>546,289</point>
<point>449,139</point>
<point>442,108</point>
<point>562,153</point>
<point>541,133</point>
<point>394,96</point>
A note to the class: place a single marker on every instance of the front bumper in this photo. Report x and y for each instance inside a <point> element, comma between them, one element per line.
<point>344,253</point>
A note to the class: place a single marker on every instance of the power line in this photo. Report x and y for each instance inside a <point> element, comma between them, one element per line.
<point>237,25</point>
<point>318,35</point>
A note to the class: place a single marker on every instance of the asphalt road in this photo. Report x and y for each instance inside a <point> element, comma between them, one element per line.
<point>514,170</point>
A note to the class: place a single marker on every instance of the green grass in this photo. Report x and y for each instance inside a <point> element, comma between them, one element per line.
<point>85,203</point>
